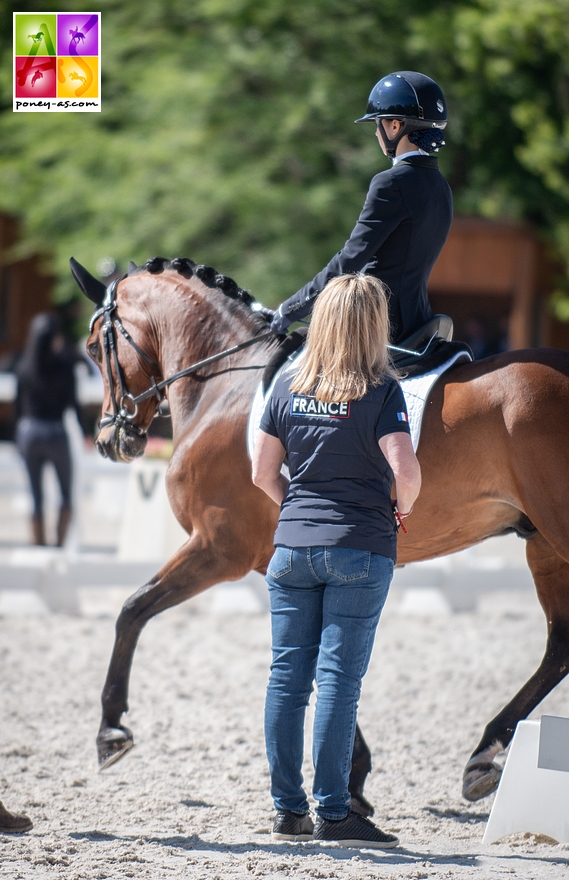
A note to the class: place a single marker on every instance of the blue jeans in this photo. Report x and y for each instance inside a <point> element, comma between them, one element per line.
<point>325,606</point>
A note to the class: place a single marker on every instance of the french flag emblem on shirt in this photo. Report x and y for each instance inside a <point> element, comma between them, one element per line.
<point>403,417</point>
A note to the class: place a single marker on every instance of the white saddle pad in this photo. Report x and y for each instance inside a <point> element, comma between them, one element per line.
<point>415,389</point>
<point>256,413</point>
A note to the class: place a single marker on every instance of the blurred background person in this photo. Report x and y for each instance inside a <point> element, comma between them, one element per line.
<point>45,389</point>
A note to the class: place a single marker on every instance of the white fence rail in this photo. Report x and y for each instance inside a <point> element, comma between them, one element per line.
<point>124,531</point>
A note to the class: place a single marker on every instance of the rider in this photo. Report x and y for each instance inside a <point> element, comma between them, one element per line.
<point>407,214</point>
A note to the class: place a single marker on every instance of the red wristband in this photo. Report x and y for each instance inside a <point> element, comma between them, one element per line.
<point>403,515</point>
<point>399,519</point>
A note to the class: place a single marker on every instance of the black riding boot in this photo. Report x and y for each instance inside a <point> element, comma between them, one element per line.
<point>38,530</point>
<point>63,525</point>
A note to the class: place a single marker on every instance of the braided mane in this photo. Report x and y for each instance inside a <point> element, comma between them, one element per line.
<point>211,278</point>
<point>208,275</point>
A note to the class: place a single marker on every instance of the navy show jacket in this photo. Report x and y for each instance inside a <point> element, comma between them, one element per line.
<point>399,234</point>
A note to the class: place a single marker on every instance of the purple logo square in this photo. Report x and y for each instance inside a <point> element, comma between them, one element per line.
<point>78,34</point>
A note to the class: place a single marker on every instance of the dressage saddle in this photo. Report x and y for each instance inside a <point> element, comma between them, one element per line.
<point>424,350</point>
<point>428,347</point>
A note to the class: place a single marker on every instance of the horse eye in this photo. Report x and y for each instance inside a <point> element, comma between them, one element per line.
<point>93,350</point>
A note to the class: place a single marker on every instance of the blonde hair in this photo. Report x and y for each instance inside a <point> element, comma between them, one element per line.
<point>346,346</point>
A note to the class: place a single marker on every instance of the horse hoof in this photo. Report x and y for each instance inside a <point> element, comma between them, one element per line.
<point>480,780</point>
<point>361,806</point>
<point>112,744</point>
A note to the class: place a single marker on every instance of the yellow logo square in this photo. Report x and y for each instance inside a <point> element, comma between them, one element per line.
<point>77,76</point>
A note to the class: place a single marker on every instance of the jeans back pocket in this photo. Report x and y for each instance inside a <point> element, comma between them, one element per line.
<point>281,562</point>
<point>347,564</point>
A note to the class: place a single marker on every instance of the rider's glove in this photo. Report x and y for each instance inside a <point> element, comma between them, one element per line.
<point>280,323</point>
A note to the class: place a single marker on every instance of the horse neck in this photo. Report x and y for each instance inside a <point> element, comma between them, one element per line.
<point>191,325</point>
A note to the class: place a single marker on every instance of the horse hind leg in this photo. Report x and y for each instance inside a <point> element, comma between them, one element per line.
<point>551,576</point>
<point>361,767</point>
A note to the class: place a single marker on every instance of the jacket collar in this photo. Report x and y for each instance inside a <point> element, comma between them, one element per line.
<point>420,161</point>
<point>402,156</point>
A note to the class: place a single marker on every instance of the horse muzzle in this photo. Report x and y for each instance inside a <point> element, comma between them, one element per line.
<point>119,444</point>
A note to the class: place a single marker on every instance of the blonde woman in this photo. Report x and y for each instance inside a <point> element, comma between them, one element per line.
<point>340,417</point>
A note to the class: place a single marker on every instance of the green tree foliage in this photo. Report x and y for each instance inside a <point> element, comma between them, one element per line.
<point>507,66</point>
<point>226,135</point>
<point>227,128</point>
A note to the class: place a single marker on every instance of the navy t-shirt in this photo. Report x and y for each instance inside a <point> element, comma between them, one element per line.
<point>340,486</point>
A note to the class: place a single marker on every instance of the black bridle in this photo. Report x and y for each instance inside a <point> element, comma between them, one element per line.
<point>125,407</point>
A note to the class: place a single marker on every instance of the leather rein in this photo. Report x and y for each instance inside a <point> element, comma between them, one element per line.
<point>125,405</point>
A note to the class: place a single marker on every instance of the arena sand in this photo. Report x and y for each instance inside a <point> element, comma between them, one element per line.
<point>191,800</point>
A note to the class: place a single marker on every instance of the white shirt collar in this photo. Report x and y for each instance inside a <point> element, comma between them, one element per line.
<point>410,153</point>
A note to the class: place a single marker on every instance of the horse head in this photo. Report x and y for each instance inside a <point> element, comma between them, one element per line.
<point>123,352</point>
<point>162,305</point>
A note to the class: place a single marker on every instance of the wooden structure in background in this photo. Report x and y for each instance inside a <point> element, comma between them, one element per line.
<point>24,291</point>
<point>498,273</point>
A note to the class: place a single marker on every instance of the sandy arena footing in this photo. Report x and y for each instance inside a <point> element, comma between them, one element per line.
<point>192,799</point>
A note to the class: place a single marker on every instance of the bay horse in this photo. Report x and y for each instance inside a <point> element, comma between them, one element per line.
<point>494,458</point>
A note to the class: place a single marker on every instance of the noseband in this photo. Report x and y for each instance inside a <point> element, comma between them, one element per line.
<point>125,408</point>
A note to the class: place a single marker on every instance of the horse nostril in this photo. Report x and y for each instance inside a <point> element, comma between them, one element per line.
<point>100,449</point>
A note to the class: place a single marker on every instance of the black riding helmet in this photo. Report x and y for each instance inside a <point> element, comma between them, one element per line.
<point>414,98</point>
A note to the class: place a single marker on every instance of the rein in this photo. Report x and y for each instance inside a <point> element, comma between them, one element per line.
<point>123,416</point>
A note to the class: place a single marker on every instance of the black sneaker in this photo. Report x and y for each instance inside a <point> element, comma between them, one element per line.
<point>354,830</point>
<point>292,826</point>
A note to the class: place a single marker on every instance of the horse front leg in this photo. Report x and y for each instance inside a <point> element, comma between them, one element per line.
<point>551,575</point>
<point>191,570</point>
<point>113,739</point>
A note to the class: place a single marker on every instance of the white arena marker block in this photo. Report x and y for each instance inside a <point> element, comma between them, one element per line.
<point>554,743</point>
<point>150,531</point>
<point>529,798</point>
<point>423,602</point>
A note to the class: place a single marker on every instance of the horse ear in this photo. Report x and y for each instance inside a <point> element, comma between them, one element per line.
<point>131,267</point>
<point>93,289</point>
